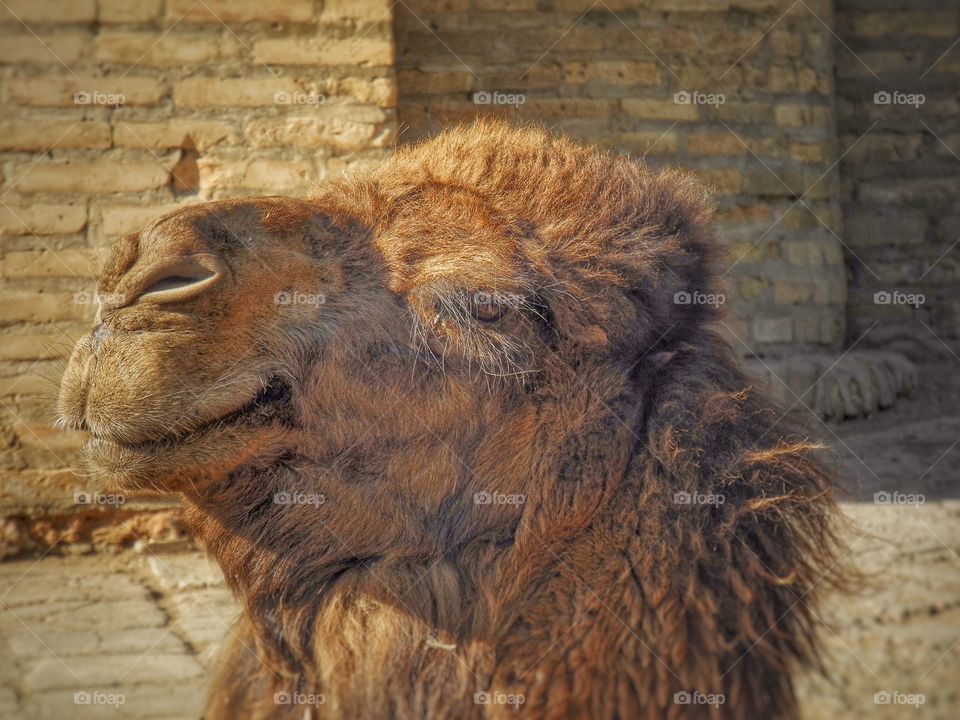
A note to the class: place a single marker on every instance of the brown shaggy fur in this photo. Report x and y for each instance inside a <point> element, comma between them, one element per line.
<point>498,322</point>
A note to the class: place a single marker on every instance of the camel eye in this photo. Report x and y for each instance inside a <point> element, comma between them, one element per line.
<point>486,307</point>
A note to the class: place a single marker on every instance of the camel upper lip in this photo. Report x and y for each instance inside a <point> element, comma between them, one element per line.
<point>265,406</point>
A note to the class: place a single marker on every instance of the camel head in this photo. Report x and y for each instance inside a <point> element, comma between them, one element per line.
<point>419,325</point>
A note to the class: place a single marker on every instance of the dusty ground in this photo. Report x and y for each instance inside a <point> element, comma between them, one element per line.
<point>143,627</point>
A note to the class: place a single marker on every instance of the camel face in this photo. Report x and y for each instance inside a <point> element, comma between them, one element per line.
<point>183,373</point>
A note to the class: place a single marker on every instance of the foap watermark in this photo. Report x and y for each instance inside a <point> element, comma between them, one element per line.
<point>695,697</point>
<point>696,498</point>
<point>85,297</point>
<point>86,497</point>
<point>682,297</point>
<point>885,297</point>
<point>95,97</point>
<point>893,697</point>
<point>85,697</point>
<point>486,97</point>
<point>899,98</point>
<point>496,297</point>
<point>496,697</point>
<point>498,498</point>
<point>288,497</point>
<point>298,698</point>
<point>298,98</point>
<point>898,498</point>
<point>696,97</point>
<point>291,297</point>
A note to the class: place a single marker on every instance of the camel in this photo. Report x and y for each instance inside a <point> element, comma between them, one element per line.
<point>464,440</point>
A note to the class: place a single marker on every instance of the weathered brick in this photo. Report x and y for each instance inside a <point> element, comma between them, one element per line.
<point>232,92</point>
<point>801,115</point>
<point>35,346</point>
<point>56,91</point>
<point>46,134</point>
<point>815,152</point>
<point>42,219</point>
<point>156,49</point>
<point>619,72</point>
<point>357,10</point>
<point>72,262</point>
<point>81,177</point>
<point>898,24</point>
<point>353,51</point>
<point>793,292</point>
<point>772,330</point>
<point>16,12</point>
<point>273,176</point>
<point>646,143</point>
<point>715,143</point>
<point>173,133</point>
<point>44,49</point>
<point>666,109</point>
<point>240,10</point>
<point>315,131</point>
<point>120,220</point>
<point>41,307</point>
<point>723,181</point>
<point>125,11</point>
<point>421,82</point>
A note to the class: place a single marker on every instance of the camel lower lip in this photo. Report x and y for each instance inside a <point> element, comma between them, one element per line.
<point>274,394</point>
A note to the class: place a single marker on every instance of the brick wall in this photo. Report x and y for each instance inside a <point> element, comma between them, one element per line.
<point>897,87</point>
<point>610,72</point>
<point>115,111</point>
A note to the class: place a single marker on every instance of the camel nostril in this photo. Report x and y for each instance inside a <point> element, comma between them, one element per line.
<point>177,279</point>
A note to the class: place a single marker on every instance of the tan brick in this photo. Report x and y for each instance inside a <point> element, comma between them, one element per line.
<point>314,131</point>
<point>896,24</point>
<point>646,143</point>
<point>353,51</point>
<point>382,92</point>
<point>173,133</point>
<point>666,109</point>
<point>154,49</point>
<point>16,12</point>
<point>36,346</point>
<point>271,176</point>
<point>119,220</point>
<point>690,5</point>
<point>772,330</point>
<point>715,143</point>
<point>72,262</point>
<point>53,91</point>
<point>42,307</point>
<point>231,92</point>
<point>752,287</point>
<point>619,72</point>
<point>785,44</point>
<point>84,177</point>
<point>42,219</point>
<point>801,115</point>
<point>44,134</point>
<point>24,48</point>
<point>240,10</point>
<point>793,292</point>
<point>357,10</point>
<point>549,108</point>
<point>125,11</point>
<point>809,152</point>
<point>723,181</point>
<point>434,82</point>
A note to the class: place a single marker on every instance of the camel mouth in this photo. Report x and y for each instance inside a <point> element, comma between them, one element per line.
<point>271,404</point>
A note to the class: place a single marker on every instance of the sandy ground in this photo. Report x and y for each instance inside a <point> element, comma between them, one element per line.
<point>130,635</point>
